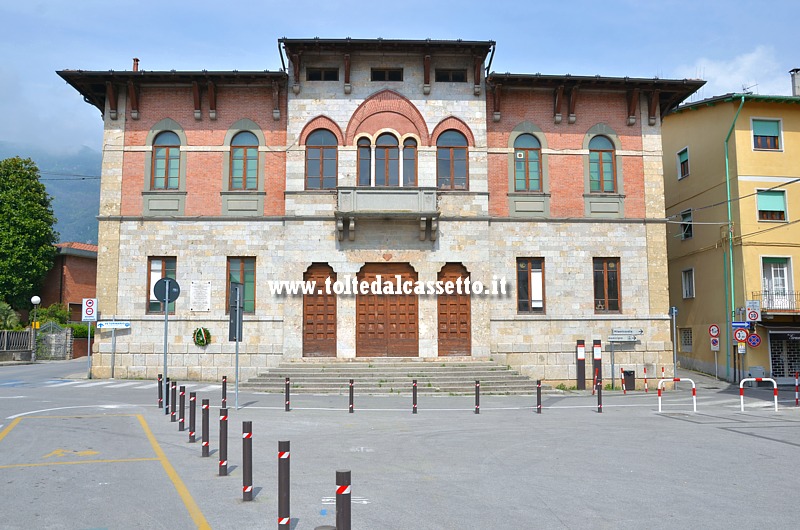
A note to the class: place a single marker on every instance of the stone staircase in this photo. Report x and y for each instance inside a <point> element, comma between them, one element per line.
<point>451,376</point>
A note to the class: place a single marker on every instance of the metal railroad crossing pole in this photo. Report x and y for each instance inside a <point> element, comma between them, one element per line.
<point>284,519</point>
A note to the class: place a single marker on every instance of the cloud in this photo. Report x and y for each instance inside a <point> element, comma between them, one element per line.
<point>758,71</point>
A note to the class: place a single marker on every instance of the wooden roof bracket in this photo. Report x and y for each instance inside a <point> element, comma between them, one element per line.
<point>348,88</point>
<point>296,73</point>
<point>573,102</point>
<point>496,90</point>
<point>111,97</point>
<point>633,102</point>
<point>276,101</point>
<point>558,99</point>
<point>212,100</point>
<point>133,96</point>
<point>426,74</point>
<point>652,106</point>
<point>477,67</point>
<point>198,111</point>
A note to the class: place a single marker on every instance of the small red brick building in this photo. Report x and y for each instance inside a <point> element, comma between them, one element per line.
<point>72,278</point>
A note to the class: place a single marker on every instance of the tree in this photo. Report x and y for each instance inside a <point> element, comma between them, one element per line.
<point>26,231</point>
<point>57,313</point>
<point>9,319</point>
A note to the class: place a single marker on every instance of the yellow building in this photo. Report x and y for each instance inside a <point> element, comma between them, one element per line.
<point>732,193</point>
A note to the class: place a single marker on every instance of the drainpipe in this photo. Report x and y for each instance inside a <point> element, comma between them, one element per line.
<point>730,248</point>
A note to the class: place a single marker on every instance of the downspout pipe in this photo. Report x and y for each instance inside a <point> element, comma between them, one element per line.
<point>732,310</point>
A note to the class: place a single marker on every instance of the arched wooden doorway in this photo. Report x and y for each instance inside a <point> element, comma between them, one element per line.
<point>387,324</point>
<point>319,314</point>
<point>455,326</point>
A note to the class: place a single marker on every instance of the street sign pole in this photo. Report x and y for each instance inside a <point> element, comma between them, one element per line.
<point>166,332</point>
<point>674,312</point>
<point>238,337</point>
<point>612,365</point>
<point>89,352</point>
<point>113,349</point>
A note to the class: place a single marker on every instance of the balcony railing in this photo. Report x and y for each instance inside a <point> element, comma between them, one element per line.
<point>386,203</point>
<point>779,302</point>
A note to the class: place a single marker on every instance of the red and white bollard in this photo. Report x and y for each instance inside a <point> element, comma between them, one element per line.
<point>594,382</point>
<point>796,392</point>
<point>622,378</point>
<point>645,380</point>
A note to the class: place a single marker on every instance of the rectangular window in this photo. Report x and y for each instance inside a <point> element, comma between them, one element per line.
<point>157,268</point>
<point>451,75</point>
<point>771,205</point>
<point>683,163</point>
<point>606,285</point>
<point>322,74</point>
<point>766,134</point>
<point>530,285</point>
<point>387,74</point>
<point>687,281</point>
<point>686,224</point>
<point>243,270</point>
<point>686,339</point>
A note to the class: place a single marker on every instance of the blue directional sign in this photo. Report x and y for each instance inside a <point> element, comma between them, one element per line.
<point>735,325</point>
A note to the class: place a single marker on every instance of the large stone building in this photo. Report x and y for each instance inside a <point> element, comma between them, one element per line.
<point>397,158</point>
<point>732,171</point>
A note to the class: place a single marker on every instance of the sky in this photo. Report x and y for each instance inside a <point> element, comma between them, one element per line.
<point>733,45</point>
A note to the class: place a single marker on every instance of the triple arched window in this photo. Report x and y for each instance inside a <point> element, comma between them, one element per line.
<point>387,169</point>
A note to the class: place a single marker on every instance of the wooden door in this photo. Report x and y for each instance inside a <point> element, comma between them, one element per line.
<point>319,315</point>
<point>455,336</point>
<point>386,324</point>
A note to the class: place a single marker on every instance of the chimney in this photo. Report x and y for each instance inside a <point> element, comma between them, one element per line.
<point>136,66</point>
<point>795,81</point>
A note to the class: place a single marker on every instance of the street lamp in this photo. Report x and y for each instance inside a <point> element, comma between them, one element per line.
<point>35,300</point>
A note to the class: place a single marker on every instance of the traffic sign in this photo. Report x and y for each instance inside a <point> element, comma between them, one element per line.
<point>622,338</point>
<point>714,344</point>
<point>753,308</point>
<point>626,331</point>
<point>113,324</point>
<point>754,340</point>
<point>735,325</point>
<point>740,335</point>
<point>89,310</point>
<point>160,290</point>
<point>713,330</point>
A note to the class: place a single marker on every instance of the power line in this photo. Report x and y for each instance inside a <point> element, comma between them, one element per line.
<point>782,184</point>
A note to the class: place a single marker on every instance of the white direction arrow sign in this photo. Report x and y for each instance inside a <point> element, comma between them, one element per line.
<point>626,331</point>
<point>113,324</point>
<point>622,338</point>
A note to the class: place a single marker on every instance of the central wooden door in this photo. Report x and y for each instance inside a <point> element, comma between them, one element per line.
<point>319,315</point>
<point>387,324</point>
<point>455,326</point>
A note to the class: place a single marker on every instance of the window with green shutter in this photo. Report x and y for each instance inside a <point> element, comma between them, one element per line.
<point>771,205</point>
<point>683,163</point>
<point>766,134</point>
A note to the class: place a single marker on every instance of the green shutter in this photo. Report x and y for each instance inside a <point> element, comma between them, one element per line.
<point>766,128</point>
<point>776,261</point>
<point>771,201</point>
<point>683,156</point>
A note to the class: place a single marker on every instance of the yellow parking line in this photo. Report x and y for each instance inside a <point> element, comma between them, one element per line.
<point>8,429</point>
<point>188,501</point>
<point>82,462</point>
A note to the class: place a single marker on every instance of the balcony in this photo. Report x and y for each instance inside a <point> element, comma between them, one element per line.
<point>781,302</point>
<point>386,203</point>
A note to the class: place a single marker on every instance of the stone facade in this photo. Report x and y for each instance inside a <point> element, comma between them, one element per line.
<point>483,228</point>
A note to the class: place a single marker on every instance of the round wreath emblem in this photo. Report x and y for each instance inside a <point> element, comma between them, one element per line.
<point>201,336</point>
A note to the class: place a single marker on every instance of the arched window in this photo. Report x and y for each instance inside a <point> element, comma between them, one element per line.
<point>321,159</point>
<point>451,161</point>
<point>166,161</point>
<point>602,173</point>
<point>527,163</point>
<point>409,162</point>
<point>387,161</point>
<point>364,162</point>
<point>244,161</point>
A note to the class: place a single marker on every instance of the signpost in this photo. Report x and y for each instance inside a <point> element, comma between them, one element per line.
<point>235,325</point>
<point>89,315</point>
<point>713,330</point>
<point>621,335</point>
<point>740,335</point>
<point>166,291</point>
<point>753,310</point>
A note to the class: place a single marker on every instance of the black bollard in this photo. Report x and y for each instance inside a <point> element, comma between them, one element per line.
<point>181,408</point>
<point>351,396</point>
<point>600,395</point>
<point>223,442</point>
<point>160,392</point>
<point>192,414</point>
<point>414,397</point>
<point>288,408</point>
<point>284,520</point>
<point>247,460</point>
<point>166,395</point>
<point>224,391</point>
<point>342,500</point>
<point>173,390</point>
<point>477,397</point>
<point>204,434</point>
<point>538,396</point>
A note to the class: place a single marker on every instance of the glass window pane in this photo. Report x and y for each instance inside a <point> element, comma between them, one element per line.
<point>394,172</point>
<point>321,137</point>
<point>451,138</point>
<point>600,143</point>
<point>167,138</point>
<point>527,141</point>
<point>238,167</point>
<point>245,138</point>
<point>236,182</point>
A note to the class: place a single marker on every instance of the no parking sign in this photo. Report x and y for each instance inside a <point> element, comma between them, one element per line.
<point>89,310</point>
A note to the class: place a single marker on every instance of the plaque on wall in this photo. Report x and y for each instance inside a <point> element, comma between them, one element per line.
<point>200,296</point>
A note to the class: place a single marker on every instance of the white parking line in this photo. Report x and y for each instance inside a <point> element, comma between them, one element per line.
<point>65,384</point>
<point>98,383</point>
<point>121,385</point>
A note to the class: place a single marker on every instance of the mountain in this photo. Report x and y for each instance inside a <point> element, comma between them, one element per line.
<point>72,180</point>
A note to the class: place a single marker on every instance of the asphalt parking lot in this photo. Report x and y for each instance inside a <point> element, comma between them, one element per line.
<point>106,457</point>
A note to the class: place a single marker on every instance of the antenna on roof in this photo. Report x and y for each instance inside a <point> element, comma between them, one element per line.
<point>746,89</point>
